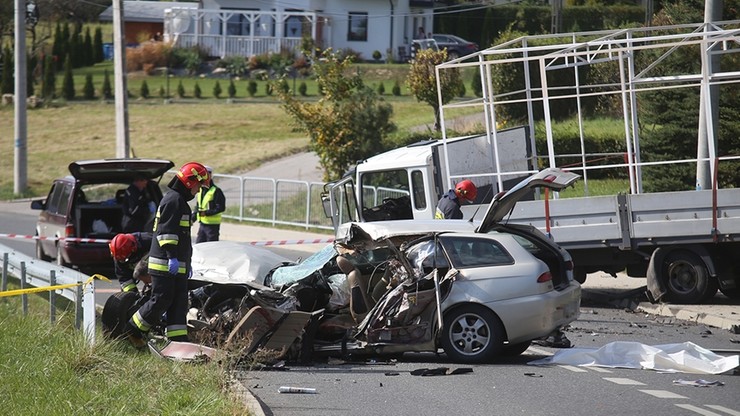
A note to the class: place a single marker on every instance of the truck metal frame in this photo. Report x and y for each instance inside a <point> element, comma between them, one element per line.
<point>685,242</point>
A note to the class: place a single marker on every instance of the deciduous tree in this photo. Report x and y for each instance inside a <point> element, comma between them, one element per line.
<point>422,80</point>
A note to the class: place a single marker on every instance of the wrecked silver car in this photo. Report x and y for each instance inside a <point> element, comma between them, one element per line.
<point>476,291</point>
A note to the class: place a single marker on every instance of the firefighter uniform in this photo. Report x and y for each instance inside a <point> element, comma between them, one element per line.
<point>126,270</point>
<point>211,203</point>
<point>171,240</point>
<point>448,207</point>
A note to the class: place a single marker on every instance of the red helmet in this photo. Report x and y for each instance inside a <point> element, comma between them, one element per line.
<point>122,246</point>
<point>466,190</point>
<point>191,173</point>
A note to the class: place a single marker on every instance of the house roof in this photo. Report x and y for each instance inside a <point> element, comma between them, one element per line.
<point>144,11</point>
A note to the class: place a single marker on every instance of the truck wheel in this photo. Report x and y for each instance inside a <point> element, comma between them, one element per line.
<point>733,293</point>
<point>472,334</point>
<point>686,277</point>
<point>579,274</point>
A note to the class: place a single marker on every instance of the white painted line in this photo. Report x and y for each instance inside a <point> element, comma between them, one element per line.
<point>723,409</point>
<point>698,410</point>
<point>662,394</point>
<point>573,369</point>
<point>539,351</point>
<point>600,369</point>
<point>624,381</point>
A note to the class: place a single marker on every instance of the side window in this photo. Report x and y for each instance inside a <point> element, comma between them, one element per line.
<point>52,201</point>
<point>378,186</point>
<point>64,199</point>
<point>477,252</point>
<point>417,185</point>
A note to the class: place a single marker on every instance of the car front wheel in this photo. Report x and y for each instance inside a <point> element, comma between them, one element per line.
<point>472,334</point>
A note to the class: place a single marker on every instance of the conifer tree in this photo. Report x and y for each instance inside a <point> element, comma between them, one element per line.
<point>68,84</point>
<point>89,90</point>
<point>144,90</point>
<point>197,93</point>
<point>98,55</point>
<point>180,90</point>
<point>48,84</point>
<point>87,49</point>
<point>232,89</point>
<point>7,83</point>
<point>252,88</point>
<point>217,90</point>
<point>107,91</point>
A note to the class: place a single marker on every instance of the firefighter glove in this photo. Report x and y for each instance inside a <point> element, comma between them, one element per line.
<point>173,265</point>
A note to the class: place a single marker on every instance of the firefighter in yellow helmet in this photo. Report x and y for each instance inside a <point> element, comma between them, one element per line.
<point>169,259</point>
<point>211,203</point>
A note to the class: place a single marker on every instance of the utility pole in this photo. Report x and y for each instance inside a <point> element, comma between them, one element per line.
<point>20,165</point>
<point>708,103</point>
<point>123,144</point>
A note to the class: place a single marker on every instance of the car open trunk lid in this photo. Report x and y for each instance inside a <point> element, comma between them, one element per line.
<point>503,203</point>
<point>118,170</point>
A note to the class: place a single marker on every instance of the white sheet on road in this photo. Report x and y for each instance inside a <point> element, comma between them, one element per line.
<point>685,357</point>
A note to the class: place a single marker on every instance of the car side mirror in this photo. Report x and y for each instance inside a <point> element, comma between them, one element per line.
<point>38,204</point>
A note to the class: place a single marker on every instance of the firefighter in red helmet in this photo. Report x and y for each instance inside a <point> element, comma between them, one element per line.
<point>169,259</point>
<point>449,205</point>
<point>130,254</point>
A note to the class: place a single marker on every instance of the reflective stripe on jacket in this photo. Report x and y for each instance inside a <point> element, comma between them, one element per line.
<point>171,234</point>
<point>204,204</point>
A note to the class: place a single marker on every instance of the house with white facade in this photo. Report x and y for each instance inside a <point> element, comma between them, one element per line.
<point>252,27</point>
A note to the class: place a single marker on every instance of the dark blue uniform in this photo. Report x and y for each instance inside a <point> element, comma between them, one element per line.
<point>449,207</point>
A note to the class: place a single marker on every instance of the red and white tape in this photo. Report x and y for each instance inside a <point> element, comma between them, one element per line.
<point>72,239</point>
<point>98,240</point>
<point>288,242</point>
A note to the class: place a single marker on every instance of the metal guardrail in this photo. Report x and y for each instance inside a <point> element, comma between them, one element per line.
<point>38,273</point>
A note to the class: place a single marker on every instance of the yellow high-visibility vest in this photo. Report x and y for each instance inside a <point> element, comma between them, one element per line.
<point>203,204</point>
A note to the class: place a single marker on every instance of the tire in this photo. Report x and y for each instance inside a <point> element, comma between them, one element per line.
<point>40,252</point>
<point>513,350</point>
<point>686,278</point>
<point>579,275</point>
<point>116,313</point>
<point>472,334</point>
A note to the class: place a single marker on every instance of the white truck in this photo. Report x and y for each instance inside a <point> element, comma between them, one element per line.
<point>687,243</point>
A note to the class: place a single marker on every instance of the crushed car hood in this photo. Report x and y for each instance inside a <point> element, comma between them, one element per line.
<point>229,262</point>
<point>503,203</point>
<point>118,170</point>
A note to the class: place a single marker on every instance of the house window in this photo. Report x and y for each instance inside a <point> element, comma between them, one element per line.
<point>357,29</point>
<point>237,25</point>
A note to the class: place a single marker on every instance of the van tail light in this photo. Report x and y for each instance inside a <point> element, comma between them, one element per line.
<point>69,230</point>
<point>569,265</point>
<point>545,277</point>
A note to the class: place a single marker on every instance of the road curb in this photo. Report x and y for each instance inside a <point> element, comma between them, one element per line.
<point>250,401</point>
<point>730,323</point>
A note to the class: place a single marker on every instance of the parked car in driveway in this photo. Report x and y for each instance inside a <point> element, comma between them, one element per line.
<point>478,290</point>
<point>88,204</point>
<point>455,45</point>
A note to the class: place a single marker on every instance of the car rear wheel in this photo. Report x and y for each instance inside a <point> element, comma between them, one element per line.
<point>40,251</point>
<point>687,278</point>
<point>472,334</point>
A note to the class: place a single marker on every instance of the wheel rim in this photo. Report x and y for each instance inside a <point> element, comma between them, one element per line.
<point>682,276</point>
<point>470,334</point>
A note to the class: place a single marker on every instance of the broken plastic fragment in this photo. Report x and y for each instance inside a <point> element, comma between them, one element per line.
<point>303,390</point>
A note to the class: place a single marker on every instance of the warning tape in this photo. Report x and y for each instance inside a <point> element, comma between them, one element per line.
<point>288,242</point>
<point>97,240</point>
<point>72,239</point>
<point>50,288</point>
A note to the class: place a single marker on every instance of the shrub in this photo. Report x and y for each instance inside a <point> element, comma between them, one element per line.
<point>217,90</point>
<point>147,56</point>
<point>235,66</point>
<point>268,88</point>
<point>106,91</point>
<point>259,62</point>
<point>68,83</point>
<point>396,89</point>
<point>252,88</point>
<point>180,90</point>
<point>283,85</point>
<point>381,89</point>
<point>89,89</point>
<point>377,55</point>
<point>197,93</point>
<point>162,92</point>
<point>144,90</point>
<point>302,89</point>
<point>232,89</point>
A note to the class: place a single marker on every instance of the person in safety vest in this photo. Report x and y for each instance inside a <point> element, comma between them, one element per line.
<point>169,259</point>
<point>130,254</point>
<point>211,203</point>
<point>449,205</point>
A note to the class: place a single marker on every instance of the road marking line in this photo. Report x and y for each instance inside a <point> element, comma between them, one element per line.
<point>539,351</point>
<point>663,394</point>
<point>723,409</point>
<point>698,410</point>
<point>600,369</point>
<point>624,381</point>
<point>573,369</point>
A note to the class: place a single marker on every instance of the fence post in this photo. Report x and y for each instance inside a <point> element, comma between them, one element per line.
<point>241,199</point>
<point>24,297</point>
<point>308,204</point>
<point>78,305</point>
<point>52,296</point>
<point>5,272</point>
